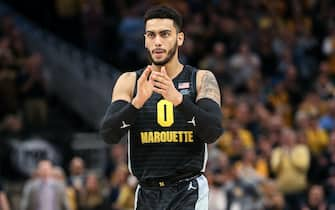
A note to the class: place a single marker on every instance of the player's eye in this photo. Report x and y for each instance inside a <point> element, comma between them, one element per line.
<point>150,35</point>
<point>165,34</point>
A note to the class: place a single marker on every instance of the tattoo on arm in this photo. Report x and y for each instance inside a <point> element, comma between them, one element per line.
<point>209,88</point>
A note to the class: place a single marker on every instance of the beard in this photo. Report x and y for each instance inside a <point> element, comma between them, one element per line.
<point>170,55</point>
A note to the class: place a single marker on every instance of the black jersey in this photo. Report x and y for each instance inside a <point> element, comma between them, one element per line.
<point>162,142</point>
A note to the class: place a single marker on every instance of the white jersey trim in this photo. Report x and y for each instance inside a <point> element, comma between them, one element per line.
<point>129,162</point>
<point>205,158</point>
<point>136,196</point>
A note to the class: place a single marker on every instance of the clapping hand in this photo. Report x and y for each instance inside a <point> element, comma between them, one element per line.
<point>163,84</point>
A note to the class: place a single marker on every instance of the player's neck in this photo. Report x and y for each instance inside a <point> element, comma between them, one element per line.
<point>173,68</point>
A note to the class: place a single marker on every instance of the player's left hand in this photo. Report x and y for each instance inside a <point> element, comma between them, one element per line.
<point>163,85</point>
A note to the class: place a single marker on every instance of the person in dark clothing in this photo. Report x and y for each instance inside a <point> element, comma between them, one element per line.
<point>170,111</point>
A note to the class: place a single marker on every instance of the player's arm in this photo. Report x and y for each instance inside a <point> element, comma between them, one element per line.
<point>206,111</point>
<point>207,87</point>
<point>120,112</point>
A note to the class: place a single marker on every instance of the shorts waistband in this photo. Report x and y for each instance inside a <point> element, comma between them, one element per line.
<point>166,182</point>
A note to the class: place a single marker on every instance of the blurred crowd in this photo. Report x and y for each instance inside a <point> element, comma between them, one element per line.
<point>275,63</point>
<point>50,188</point>
<point>22,83</point>
<point>23,102</point>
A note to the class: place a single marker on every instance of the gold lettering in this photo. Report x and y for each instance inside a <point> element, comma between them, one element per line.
<point>189,136</point>
<point>150,137</point>
<point>169,136</point>
<point>163,136</point>
<point>166,136</point>
<point>174,136</point>
<point>144,137</point>
<point>157,137</point>
<point>180,134</point>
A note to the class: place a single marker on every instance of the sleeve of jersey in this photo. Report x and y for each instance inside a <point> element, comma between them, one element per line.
<point>207,115</point>
<point>119,117</point>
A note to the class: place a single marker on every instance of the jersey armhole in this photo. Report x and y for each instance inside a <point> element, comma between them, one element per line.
<point>114,80</point>
<point>194,83</point>
<point>138,74</point>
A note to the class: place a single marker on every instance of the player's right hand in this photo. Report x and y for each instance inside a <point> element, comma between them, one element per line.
<point>144,88</point>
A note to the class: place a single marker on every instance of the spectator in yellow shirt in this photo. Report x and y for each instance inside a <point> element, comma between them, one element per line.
<point>317,138</point>
<point>252,168</point>
<point>290,163</point>
<point>235,141</point>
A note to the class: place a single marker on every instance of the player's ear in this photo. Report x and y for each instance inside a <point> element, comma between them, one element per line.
<point>145,43</point>
<point>180,38</point>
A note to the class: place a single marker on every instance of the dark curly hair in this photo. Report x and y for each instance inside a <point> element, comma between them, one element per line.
<point>164,12</point>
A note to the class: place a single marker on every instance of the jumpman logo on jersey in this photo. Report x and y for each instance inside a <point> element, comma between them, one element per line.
<point>191,187</point>
<point>192,121</point>
<point>124,125</point>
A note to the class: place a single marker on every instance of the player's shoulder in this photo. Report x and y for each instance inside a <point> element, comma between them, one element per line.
<point>126,80</point>
<point>124,86</point>
<point>204,71</point>
<point>132,74</point>
<point>201,73</point>
<point>126,76</point>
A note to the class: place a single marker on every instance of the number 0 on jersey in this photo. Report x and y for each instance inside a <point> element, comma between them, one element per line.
<point>165,116</point>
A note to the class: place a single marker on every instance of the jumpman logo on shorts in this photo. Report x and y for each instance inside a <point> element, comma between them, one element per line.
<point>191,187</point>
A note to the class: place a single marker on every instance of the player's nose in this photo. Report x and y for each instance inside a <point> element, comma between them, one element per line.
<point>158,41</point>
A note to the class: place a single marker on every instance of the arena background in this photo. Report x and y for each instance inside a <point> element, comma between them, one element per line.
<point>275,63</point>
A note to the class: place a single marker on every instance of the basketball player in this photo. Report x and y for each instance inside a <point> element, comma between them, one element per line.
<point>170,112</point>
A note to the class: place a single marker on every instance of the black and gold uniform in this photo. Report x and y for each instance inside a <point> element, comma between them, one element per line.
<point>167,145</point>
<point>162,140</point>
<point>168,121</point>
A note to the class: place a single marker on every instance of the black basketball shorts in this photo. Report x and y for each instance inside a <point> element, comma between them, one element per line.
<point>188,195</point>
